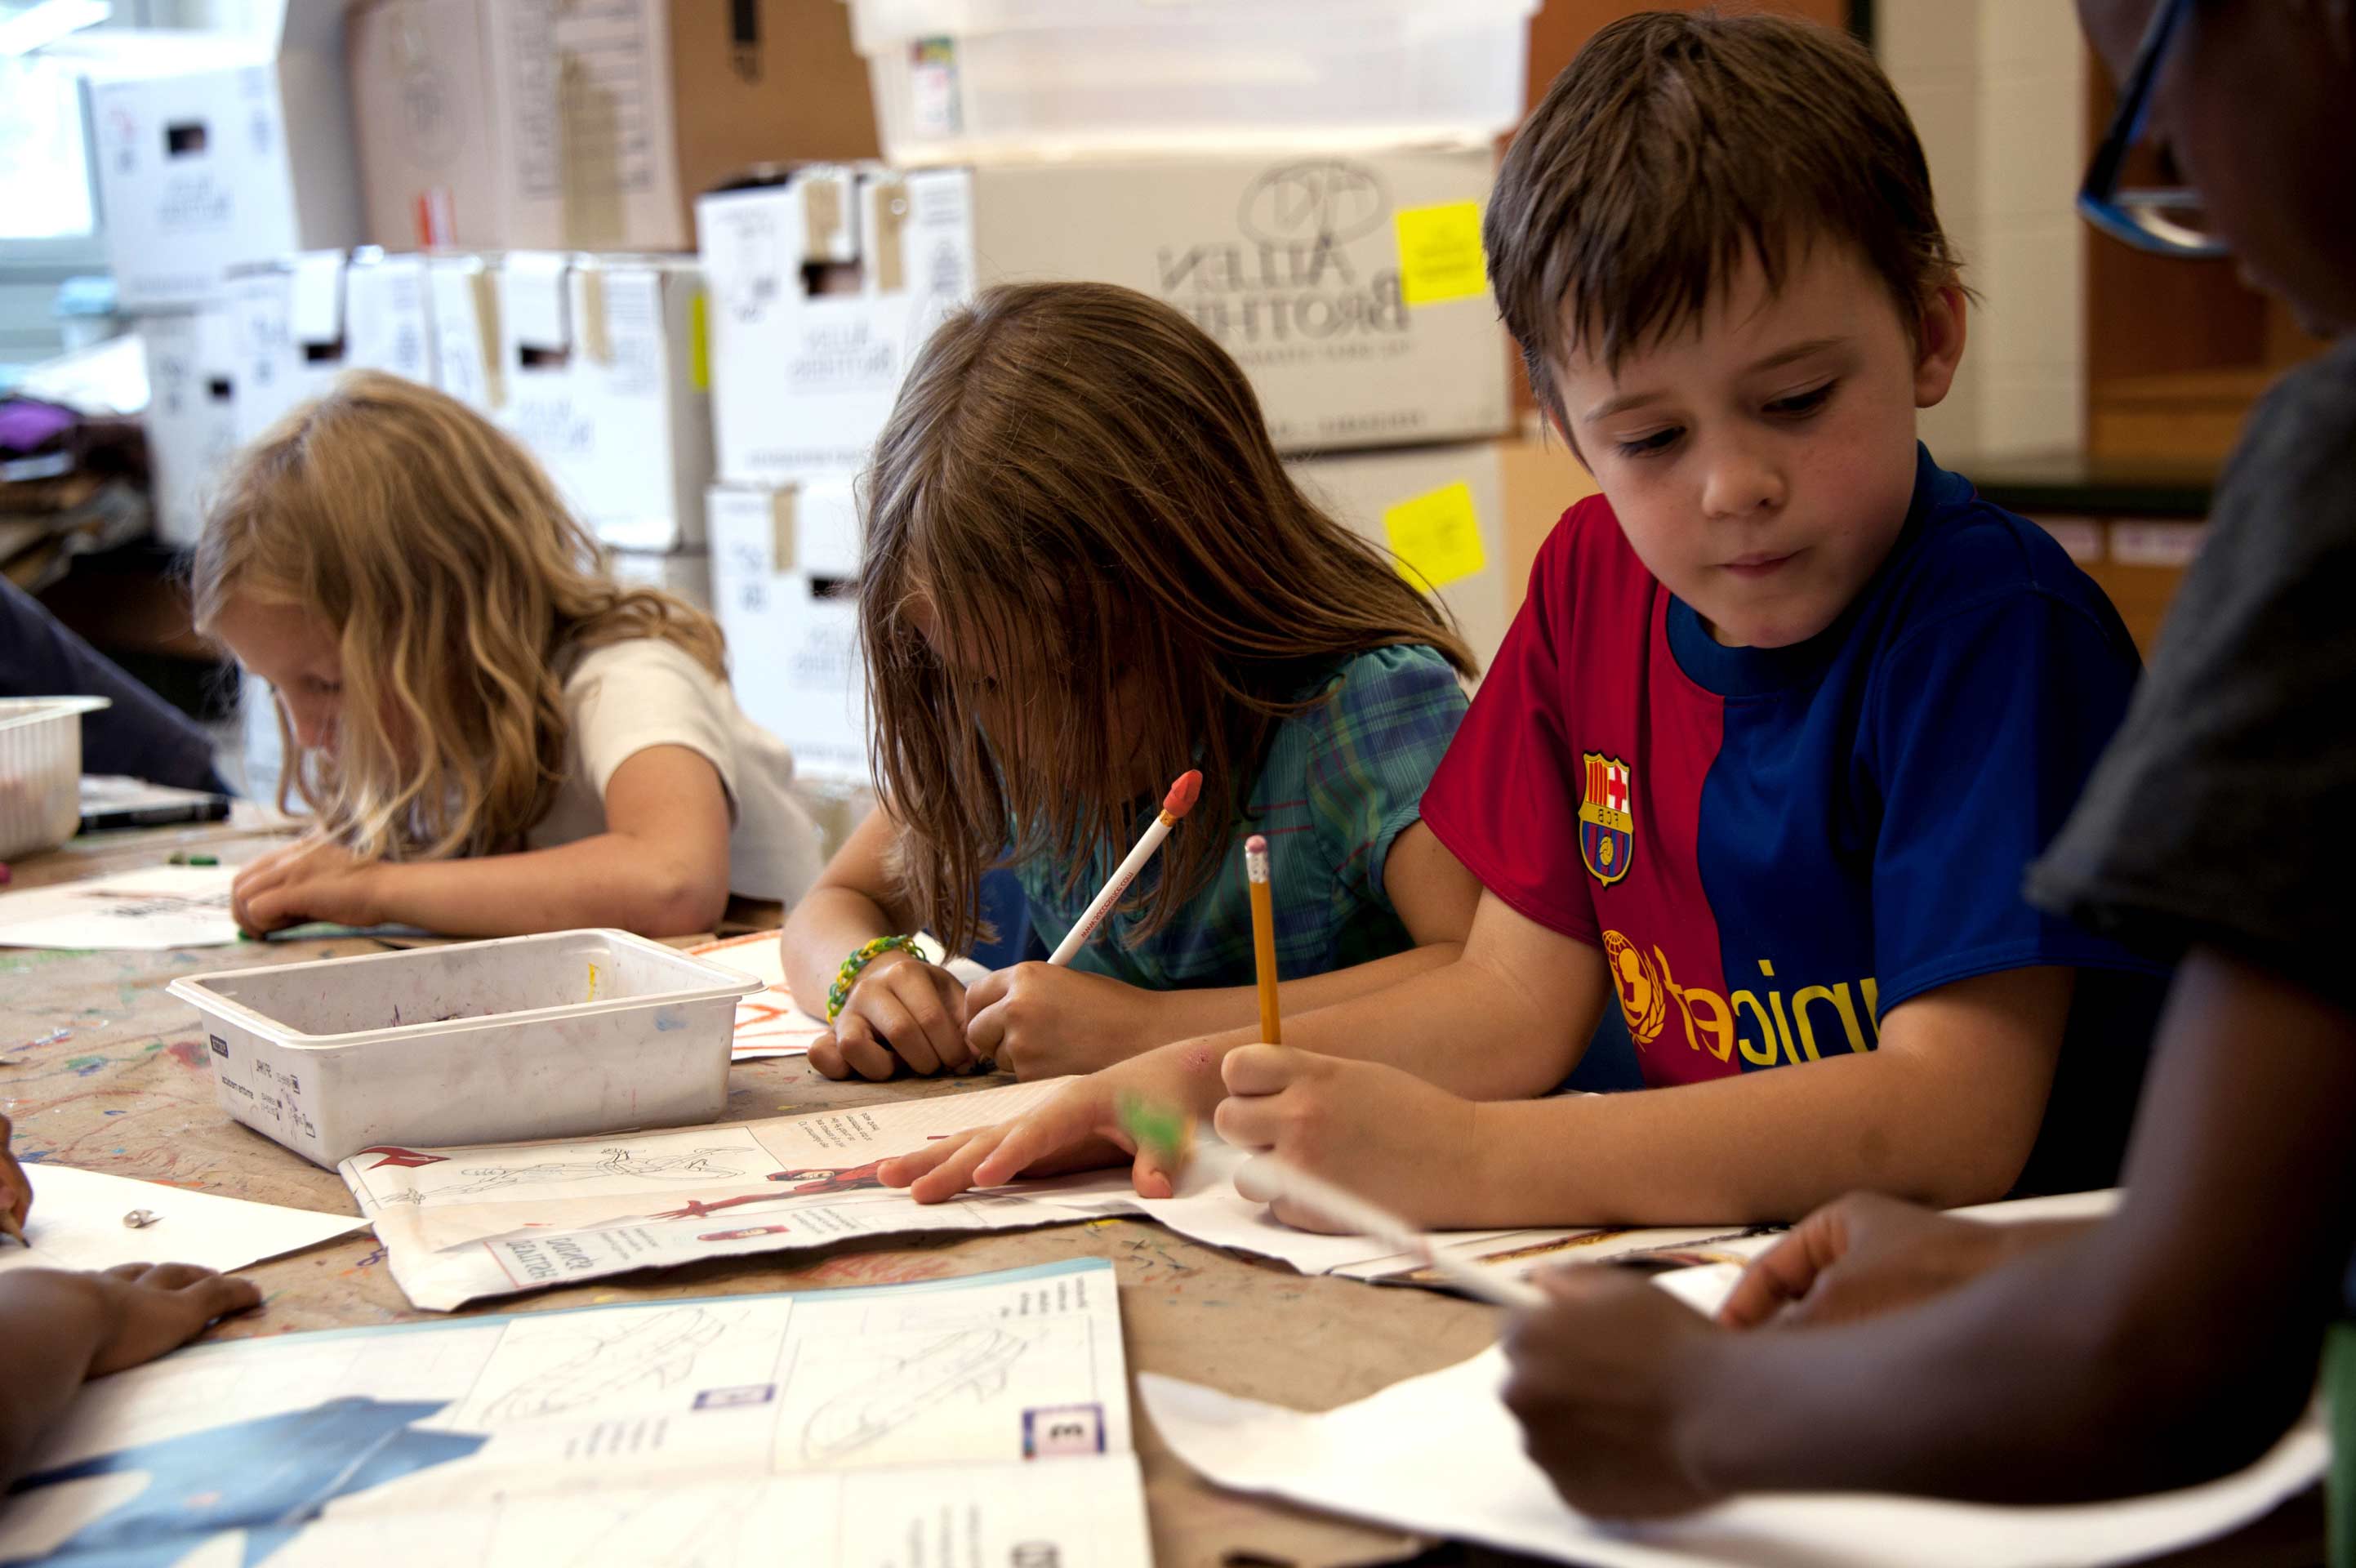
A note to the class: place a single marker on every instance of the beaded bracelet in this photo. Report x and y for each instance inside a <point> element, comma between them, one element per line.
<point>848,975</point>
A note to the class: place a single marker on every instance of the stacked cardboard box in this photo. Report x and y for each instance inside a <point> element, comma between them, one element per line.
<point>562,145</point>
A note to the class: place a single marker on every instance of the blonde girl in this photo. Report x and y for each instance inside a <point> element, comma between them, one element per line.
<point>1086,572</point>
<point>491,737</point>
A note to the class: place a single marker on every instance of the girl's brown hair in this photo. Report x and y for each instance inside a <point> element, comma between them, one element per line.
<point>1076,494</point>
<point>455,579</point>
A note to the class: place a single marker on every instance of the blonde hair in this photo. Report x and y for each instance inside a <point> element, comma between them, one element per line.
<point>454,579</point>
<point>1078,482</point>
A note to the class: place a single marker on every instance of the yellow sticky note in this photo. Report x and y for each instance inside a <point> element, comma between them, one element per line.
<point>1439,253</point>
<point>699,342</point>
<point>1436,536</point>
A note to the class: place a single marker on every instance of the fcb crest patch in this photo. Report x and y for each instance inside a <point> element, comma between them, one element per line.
<point>1607,826</point>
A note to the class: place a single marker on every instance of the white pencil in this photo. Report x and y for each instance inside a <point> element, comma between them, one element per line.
<point>1174,806</point>
<point>1268,1179</point>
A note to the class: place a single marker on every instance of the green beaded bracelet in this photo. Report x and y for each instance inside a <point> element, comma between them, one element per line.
<point>848,975</point>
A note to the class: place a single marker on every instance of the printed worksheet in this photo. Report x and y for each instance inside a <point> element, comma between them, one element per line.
<point>154,910</point>
<point>464,1223</point>
<point>1467,1479</point>
<point>982,1419</point>
<point>87,1219</point>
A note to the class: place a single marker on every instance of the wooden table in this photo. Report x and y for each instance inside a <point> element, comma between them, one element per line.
<point>100,1069</point>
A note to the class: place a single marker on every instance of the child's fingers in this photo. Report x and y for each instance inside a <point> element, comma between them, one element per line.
<point>985,1030</point>
<point>902,1169</point>
<point>218,1295</point>
<point>1150,1177</point>
<point>1783,1273</point>
<point>1261,1069</point>
<point>956,1174</point>
<point>892,1022</point>
<point>1071,1117</point>
<point>860,1050</point>
<point>1256,1123</point>
<point>917,989</point>
<point>987,992</point>
<point>173,1276</point>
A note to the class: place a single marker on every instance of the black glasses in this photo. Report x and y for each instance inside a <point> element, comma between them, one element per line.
<point>2166,221</point>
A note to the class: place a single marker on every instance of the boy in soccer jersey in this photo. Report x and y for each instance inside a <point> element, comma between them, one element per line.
<point>1753,780</point>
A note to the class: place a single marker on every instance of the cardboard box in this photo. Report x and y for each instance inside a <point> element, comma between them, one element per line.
<point>783,565</point>
<point>191,418</point>
<point>1349,288</point>
<point>602,375</point>
<point>246,154</point>
<point>546,126</point>
<point>300,323</point>
<point>1440,510</point>
<point>462,299</point>
<point>686,574</point>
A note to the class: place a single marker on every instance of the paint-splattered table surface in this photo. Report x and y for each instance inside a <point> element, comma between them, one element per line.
<point>100,1069</point>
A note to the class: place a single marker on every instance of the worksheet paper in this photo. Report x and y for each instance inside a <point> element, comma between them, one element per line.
<point>154,910</point>
<point>976,1421</point>
<point>78,1223</point>
<point>1440,1455</point>
<point>771,1022</point>
<point>464,1223</point>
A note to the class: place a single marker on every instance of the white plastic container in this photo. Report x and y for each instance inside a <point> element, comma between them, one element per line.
<point>986,80</point>
<point>40,771</point>
<point>554,1036</point>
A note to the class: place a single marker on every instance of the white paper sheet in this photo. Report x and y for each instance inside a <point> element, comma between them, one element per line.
<point>771,1022</point>
<point>982,1421</point>
<point>162,907</point>
<point>1440,1455</point>
<point>464,1223</point>
<point>77,1223</point>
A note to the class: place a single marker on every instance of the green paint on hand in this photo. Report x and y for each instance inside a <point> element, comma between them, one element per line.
<point>1158,1129</point>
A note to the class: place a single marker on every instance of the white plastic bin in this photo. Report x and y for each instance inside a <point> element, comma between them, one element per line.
<point>553,1036</point>
<point>984,81</point>
<point>40,771</point>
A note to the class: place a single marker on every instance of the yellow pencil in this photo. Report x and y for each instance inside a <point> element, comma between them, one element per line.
<point>1271,1027</point>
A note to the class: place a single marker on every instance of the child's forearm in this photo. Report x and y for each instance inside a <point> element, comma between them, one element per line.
<point>609,880</point>
<point>1232,1012</point>
<point>827,926</point>
<point>1455,1025</point>
<point>49,1333</point>
<point>1762,1146</point>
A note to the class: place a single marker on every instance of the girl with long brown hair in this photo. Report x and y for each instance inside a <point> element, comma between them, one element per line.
<point>1086,572</point>
<point>491,737</point>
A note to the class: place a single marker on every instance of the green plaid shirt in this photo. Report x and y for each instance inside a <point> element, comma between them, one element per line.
<point>1342,781</point>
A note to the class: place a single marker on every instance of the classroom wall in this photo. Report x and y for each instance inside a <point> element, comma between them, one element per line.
<point>1996,91</point>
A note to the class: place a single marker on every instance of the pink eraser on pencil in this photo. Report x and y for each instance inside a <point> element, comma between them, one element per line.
<point>1180,799</point>
<point>1256,844</point>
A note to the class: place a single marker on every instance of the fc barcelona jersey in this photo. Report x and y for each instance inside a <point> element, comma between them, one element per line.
<point>1775,847</point>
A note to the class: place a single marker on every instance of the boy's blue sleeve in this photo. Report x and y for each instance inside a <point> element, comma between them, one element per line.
<point>1382,733</point>
<point>1981,731</point>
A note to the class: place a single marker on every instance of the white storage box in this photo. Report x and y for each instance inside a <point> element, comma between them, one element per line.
<point>191,418</point>
<point>1441,511</point>
<point>686,574</point>
<point>602,375</point>
<point>552,1036</point>
<point>226,150</point>
<point>1351,288</point>
<point>986,80</point>
<point>783,565</point>
<point>40,771</point>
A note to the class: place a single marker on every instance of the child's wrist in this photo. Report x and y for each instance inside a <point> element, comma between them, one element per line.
<point>858,963</point>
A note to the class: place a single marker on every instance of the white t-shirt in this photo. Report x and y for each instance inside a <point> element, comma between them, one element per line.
<point>624,697</point>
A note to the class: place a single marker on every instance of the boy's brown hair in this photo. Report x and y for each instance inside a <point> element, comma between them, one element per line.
<point>1077,493</point>
<point>1675,144</point>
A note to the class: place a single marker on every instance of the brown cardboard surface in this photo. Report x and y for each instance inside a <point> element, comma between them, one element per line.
<point>519,127</point>
<point>1304,268</point>
<point>1366,491</point>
